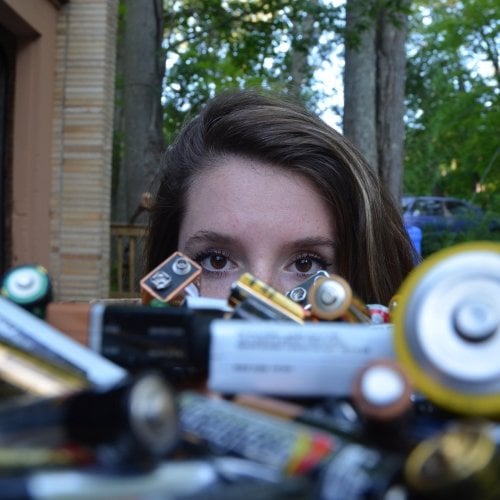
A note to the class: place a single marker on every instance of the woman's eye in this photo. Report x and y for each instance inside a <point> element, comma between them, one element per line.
<point>217,261</point>
<point>304,264</point>
<point>214,262</point>
<point>308,264</point>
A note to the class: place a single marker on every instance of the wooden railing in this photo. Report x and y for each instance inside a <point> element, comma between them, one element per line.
<point>127,242</point>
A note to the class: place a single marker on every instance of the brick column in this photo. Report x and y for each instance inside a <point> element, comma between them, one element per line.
<point>82,145</point>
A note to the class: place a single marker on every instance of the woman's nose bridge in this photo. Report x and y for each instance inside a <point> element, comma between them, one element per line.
<point>263,270</point>
<point>266,272</point>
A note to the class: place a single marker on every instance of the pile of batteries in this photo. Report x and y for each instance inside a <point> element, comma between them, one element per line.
<point>308,395</point>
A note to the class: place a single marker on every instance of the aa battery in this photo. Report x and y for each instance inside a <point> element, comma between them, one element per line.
<point>382,394</point>
<point>253,299</point>
<point>358,472</point>
<point>136,419</point>
<point>35,375</point>
<point>379,313</point>
<point>382,391</point>
<point>341,417</point>
<point>222,478</point>
<point>19,459</point>
<point>281,358</point>
<point>174,340</point>
<point>332,298</point>
<point>224,427</point>
<point>340,468</point>
<point>277,357</point>
<point>273,357</point>
<point>447,328</point>
<point>29,286</point>
<point>29,333</point>
<point>336,415</point>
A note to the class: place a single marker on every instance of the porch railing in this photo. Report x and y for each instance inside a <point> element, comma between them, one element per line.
<point>127,242</point>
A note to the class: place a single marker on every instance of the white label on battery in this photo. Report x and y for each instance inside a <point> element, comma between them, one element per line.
<point>282,358</point>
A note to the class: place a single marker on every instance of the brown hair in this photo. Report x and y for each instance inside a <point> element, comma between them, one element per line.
<point>374,253</point>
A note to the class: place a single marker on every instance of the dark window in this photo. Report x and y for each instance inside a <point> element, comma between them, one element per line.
<point>7,55</point>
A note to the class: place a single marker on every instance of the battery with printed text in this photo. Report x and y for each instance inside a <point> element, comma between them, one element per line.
<point>174,340</point>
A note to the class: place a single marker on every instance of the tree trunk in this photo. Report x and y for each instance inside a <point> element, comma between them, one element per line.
<point>391,72</point>
<point>143,71</point>
<point>374,79</point>
<point>301,32</point>
<point>359,122</point>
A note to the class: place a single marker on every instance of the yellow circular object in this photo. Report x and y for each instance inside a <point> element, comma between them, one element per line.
<point>461,459</point>
<point>447,328</point>
<point>330,297</point>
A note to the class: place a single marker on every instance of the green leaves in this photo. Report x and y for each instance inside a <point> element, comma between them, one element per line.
<point>453,99</point>
<point>218,44</point>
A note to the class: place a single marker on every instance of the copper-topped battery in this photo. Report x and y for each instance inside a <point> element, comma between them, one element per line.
<point>332,298</point>
<point>382,391</point>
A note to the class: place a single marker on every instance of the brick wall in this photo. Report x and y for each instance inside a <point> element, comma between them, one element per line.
<point>81,150</point>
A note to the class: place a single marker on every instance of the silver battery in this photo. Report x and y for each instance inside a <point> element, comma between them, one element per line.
<point>288,359</point>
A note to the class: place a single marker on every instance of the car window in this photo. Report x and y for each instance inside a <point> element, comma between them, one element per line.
<point>405,203</point>
<point>459,208</point>
<point>427,207</point>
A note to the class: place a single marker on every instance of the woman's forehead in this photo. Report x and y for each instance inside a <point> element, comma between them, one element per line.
<point>245,195</point>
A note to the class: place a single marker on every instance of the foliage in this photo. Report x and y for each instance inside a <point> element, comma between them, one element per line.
<point>219,44</point>
<point>453,112</point>
<point>436,242</point>
<point>453,101</point>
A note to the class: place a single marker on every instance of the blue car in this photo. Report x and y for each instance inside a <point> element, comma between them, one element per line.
<point>435,214</point>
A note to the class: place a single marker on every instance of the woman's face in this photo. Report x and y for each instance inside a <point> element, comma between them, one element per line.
<point>246,216</point>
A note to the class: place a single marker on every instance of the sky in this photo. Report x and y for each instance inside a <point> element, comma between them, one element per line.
<point>330,83</point>
<point>329,78</point>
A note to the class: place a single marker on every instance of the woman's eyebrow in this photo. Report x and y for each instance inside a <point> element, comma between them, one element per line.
<point>205,237</point>
<point>313,241</point>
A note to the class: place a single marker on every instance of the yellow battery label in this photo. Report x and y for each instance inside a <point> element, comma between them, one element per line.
<point>276,297</point>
